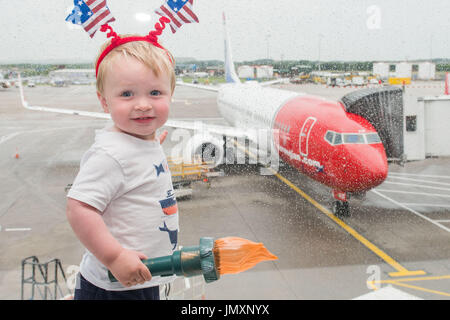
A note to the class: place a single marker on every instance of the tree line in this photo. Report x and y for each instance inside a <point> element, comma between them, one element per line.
<point>34,69</point>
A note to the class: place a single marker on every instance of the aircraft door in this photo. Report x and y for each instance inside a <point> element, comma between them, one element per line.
<point>304,135</point>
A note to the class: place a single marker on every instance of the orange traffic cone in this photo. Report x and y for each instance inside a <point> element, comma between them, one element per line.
<point>17,154</point>
<point>447,84</point>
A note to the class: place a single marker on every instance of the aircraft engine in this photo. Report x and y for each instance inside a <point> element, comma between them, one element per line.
<point>208,147</point>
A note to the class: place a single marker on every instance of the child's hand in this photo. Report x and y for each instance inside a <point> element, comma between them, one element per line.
<point>163,136</point>
<point>129,269</point>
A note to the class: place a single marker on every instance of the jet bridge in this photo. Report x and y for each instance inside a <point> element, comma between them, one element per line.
<point>383,108</point>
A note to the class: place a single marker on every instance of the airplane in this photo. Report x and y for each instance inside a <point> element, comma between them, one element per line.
<point>316,136</point>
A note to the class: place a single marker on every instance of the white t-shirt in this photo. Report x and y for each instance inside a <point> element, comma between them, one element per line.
<point>128,180</point>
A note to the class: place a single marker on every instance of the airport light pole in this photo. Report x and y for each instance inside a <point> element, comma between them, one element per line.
<point>267,42</point>
<point>431,48</point>
<point>320,41</point>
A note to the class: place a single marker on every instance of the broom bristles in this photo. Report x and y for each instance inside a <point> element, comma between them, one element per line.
<point>234,255</point>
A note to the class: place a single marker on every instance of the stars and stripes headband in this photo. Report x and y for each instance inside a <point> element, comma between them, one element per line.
<point>95,15</point>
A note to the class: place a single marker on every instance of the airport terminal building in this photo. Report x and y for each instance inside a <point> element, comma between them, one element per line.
<point>412,70</point>
<point>426,131</point>
<point>74,76</point>
<point>255,72</point>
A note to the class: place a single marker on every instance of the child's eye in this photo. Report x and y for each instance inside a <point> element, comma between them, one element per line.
<point>155,93</point>
<point>126,94</point>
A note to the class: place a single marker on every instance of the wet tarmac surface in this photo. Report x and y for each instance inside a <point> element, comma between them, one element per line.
<point>400,227</point>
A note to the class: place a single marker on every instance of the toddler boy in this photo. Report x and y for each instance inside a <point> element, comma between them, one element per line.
<point>122,205</point>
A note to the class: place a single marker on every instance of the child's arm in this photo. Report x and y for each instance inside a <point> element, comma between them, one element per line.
<point>89,227</point>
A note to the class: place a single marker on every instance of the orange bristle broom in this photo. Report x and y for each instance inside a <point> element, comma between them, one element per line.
<point>211,258</point>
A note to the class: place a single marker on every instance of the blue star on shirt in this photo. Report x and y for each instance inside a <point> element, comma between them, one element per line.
<point>159,169</point>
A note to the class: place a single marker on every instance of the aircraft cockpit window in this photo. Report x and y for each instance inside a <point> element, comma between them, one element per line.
<point>329,137</point>
<point>354,138</point>
<point>337,139</point>
<point>373,138</point>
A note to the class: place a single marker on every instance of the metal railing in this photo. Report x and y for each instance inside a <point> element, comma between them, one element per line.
<point>43,279</point>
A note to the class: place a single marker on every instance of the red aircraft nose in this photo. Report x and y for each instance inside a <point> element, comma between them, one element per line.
<point>365,168</point>
<point>376,173</point>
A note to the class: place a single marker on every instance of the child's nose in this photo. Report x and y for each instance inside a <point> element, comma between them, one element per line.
<point>143,105</point>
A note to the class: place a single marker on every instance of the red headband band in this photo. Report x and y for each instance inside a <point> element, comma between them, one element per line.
<point>116,41</point>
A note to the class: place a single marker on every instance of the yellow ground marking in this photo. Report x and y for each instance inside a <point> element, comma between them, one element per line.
<point>401,283</point>
<point>401,271</point>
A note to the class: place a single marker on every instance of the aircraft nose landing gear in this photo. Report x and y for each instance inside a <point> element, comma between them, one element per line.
<point>340,205</point>
<point>341,209</point>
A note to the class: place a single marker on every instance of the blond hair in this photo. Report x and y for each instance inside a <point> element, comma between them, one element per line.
<point>157,59</point>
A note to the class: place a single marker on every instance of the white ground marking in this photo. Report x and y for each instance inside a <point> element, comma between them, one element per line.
<point>417,193</point>
<point>419,180</point>
<point>418,175</point>
<point>411,210</point>
<point>417,186</point>
<point>387,293</point>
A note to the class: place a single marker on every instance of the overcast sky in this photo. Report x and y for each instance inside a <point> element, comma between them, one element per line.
<point>35,30</point>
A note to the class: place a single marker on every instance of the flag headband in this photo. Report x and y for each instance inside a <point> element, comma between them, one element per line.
<point>116,40</point>
<point>93,15</point>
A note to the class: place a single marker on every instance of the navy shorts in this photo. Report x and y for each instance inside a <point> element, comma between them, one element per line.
<point>87,291</point>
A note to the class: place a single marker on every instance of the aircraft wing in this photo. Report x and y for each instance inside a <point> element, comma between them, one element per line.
<point>203,127</point>
<point>193,124</point>
<point>198,126</point>
<point>216,88</point>
<point>68,111</point>
<point>280,80</point>
<point>198,86</point>
<point>56,110</point>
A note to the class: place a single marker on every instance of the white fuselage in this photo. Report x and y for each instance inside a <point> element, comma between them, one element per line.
<point>250,105</point>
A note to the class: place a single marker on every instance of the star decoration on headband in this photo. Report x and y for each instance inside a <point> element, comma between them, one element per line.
<point>90,14</point>
<point>179,12</point>
<point>94,15</point>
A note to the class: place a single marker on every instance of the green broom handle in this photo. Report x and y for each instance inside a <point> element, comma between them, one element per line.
<point>184,262</point>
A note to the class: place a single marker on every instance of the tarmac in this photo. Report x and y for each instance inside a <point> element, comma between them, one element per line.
<point>395,245</point>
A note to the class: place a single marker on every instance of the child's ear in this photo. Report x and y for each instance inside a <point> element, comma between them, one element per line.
<point>102,102</point>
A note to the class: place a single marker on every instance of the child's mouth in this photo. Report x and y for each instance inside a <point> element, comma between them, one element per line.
<point>143,119</point>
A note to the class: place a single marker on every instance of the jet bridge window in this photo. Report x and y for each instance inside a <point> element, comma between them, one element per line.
<point>411,123</point>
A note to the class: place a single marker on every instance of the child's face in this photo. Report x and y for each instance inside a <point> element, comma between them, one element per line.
<point>137,100</point>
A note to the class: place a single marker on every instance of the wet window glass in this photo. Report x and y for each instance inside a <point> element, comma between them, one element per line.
<point>356,216</point>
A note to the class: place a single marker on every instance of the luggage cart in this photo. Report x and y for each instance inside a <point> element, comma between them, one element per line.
<point>183,174</point>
